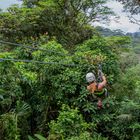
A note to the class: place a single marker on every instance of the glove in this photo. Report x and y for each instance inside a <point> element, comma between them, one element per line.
<point>100,73</point>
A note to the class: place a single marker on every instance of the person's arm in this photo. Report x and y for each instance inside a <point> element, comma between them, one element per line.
<point>104,80</point>
<point>103,83</point>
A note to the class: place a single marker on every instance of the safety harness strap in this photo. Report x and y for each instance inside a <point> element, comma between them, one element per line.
<point>99,92</point>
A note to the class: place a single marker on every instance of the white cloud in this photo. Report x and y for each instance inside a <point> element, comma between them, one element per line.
<point>123,23</point>
<point>115,6</point>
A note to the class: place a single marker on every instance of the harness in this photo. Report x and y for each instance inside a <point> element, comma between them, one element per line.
<point>99,93</point>
<point>104,91</point>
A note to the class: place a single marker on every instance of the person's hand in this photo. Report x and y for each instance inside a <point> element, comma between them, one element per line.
<point>100,73</point>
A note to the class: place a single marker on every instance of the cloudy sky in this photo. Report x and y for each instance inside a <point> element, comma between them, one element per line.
<point>123,24</point>
<point>6,3</point>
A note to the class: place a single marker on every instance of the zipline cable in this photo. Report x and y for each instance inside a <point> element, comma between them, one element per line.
<point>39,62</point>
<point>32,48</point>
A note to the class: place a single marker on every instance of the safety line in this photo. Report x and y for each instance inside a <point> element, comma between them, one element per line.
<point>39,62</point>
<point>29,47</point>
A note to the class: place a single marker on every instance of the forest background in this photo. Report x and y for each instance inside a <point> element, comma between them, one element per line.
<point>46,49</point>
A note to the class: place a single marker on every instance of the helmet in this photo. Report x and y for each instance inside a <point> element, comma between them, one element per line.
<point>90,77</point>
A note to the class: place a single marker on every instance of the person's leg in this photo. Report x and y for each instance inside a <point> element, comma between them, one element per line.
<point>99,103</point>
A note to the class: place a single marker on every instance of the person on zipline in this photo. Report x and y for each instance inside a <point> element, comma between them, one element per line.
<point>97,88</point>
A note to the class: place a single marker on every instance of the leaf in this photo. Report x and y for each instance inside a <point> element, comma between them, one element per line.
<point>30,138</point>
<point>125,117</point>
<point>40,137</point>
<point>23,110</point>
<point>1,97</point>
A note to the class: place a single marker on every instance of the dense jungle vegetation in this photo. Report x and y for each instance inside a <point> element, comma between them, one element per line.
<point>49,100</point>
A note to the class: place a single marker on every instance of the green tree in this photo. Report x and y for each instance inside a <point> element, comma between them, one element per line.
<point>68,21</point>
<point>46,87</point>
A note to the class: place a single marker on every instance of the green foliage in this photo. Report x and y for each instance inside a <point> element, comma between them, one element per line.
<point>120,41</point>
<point>86,136</point>
<point>68,21</point>
<point>127,91</point>
<point>130,81</point>
<point>51,99</point>
<point>137,50</point>
<point>44,88</point>
<point>127,121</point>
<point>9,130</point>
<point>128,60</point>
<point>40,137</point>
<point>69,123</point>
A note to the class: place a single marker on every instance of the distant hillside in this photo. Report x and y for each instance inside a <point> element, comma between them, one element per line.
<point>136,39</point>
<point>135,34</point>
<point>107,32</point>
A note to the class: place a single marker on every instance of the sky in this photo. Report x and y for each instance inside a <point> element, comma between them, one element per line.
<point>6,3</point>
<point>124,24</point>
